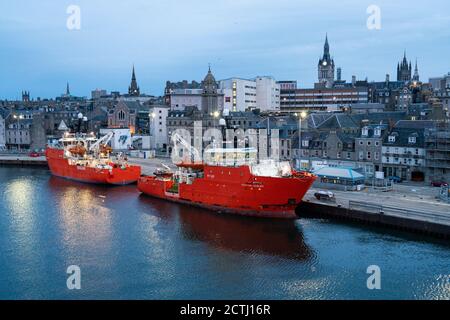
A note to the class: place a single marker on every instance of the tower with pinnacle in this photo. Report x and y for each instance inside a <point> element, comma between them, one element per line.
<point>416,77</point>
<point>209,95</point>
<point>133,89</point>
<point>404,70</point>
<point>326,66</point>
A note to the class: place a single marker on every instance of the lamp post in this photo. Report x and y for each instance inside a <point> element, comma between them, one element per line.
<point>151,128</point>
<point>80,119</point>
<point>215,115</point>
<point>85,122</point>
<point>302,115</point>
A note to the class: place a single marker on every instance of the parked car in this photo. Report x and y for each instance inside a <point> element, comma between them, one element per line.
<point>395,179</point>
<point>34,154</point>
<point>325,195</point>
<point>439,183</point>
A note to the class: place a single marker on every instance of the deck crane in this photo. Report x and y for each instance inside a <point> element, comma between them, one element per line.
<point>102,141</point>
<point>194,155</point>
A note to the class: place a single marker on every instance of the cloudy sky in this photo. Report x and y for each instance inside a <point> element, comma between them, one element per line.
<point>176,39</point>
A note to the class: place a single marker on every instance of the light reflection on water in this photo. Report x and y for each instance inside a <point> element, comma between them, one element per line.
<point>133,246</point>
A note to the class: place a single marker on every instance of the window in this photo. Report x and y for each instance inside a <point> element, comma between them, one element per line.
<point>361,155</point>
<point>369,155</point>
<point>412,139</point>
<point>377,155</point>
<point>338,155</point>
<point>391,138</point>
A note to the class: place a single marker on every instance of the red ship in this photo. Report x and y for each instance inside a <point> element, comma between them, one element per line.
<point>85,158</point>
<point>268,189</point>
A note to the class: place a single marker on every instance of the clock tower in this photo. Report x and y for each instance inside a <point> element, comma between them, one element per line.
<point>326,66</point>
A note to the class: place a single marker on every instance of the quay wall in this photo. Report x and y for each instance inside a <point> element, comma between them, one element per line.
<point>318,210</point>
<point>24,161</point>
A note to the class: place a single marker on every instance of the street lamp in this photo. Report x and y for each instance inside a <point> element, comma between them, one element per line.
<point>302,115</point>
<point>151,129</point>
<point>85,121</point>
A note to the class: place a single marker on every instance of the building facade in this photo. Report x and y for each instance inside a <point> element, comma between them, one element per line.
<point>121,116</point>
<point>158,126</point>
<point>2,133</point>
<point>403,152</point>
<point>321,99</point>
<point>248,94</point>
<point>18,135</point>
<point>204,96</point>
<point>368,148</point>
<point>437,143</point>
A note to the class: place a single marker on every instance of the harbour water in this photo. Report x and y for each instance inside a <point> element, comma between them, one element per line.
<point>130,246</point>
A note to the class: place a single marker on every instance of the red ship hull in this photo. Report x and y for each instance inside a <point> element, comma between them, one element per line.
<point>60,167</point>
<point>235,190</point>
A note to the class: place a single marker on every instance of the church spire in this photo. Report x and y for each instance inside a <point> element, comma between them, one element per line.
<point>133,76</point>
<point>67,89</point>
<point>133,89</point>
<point>416,76</point>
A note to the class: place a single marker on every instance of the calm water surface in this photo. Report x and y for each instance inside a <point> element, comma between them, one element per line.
<point>130,246</point>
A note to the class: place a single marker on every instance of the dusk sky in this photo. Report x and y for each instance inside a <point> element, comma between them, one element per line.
<point>175,40</point>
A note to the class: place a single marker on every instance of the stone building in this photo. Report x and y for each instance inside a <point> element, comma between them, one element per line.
<point>206,96</point>
<point>122,115</point>
<point>437,144</point>
<point>368,147</point>
<point>18,134</point>
<point>2,132</point>
<point>158,126</point>
<point>37,132</point>
<point>403,151</point>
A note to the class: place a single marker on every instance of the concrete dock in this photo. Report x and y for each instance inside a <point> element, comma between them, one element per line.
<point>410,208</point>
<point>23,160</point>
